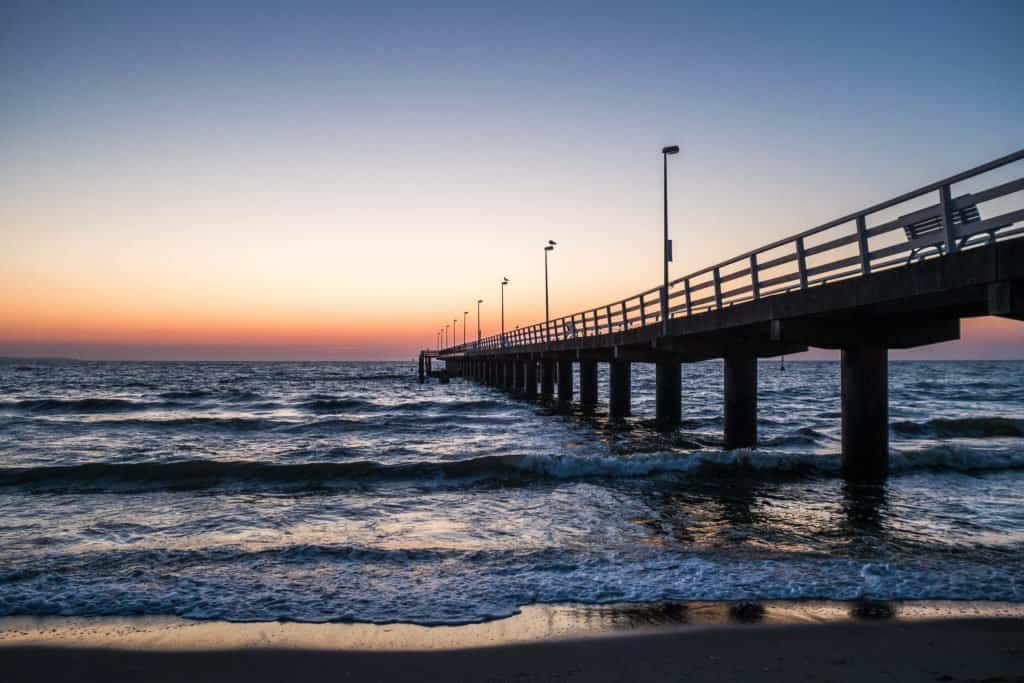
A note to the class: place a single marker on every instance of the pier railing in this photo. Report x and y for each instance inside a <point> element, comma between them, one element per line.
<point>931,223</point>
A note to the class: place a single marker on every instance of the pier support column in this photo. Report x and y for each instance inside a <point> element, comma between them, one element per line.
<point>530,371</point>
<point>507,375</point>
<point>668,388</point>
<point>565,380</point>
<point>588,383</point>
<point>865,406</point>
<point>422,378</point>
<point>619,388</point>
<point>547,378</point>
<point>515,375</point>
<point>740,394</point>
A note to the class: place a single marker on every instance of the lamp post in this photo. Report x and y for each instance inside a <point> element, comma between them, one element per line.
<point>446,336</point>
<point>455,327</point>
<point>547,311</point>
<point>464,315</point>
<point>665,152</point>
<point>504,282</point>
<point>478,302</point>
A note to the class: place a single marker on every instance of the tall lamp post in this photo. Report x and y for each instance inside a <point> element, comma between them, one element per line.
<point>446,336</point>
<point>665,152</point>
<point>478,302</point>
<point>455,327</point>
<point>547,310</point>
<point>504,282</point>
<point>464,315</point>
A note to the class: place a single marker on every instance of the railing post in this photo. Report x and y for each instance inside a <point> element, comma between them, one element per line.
<point>625,317</point>
<point>754,281</point>
<point>643,310</point>
<point>946,206</point>
<point>689,303</point>
<point>608,317</point>
<point>862,241</point>
<point>801,259</point>
<point>718,289</point>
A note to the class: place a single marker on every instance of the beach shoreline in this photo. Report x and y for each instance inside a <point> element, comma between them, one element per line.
<point>771,641</point>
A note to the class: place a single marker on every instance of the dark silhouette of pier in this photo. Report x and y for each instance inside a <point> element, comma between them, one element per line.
<point>896,275</point>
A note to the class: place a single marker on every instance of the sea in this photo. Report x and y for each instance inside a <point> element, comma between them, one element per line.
<point>350,492</point>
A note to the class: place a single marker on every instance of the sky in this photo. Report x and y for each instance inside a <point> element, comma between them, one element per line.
<point>339,180</point>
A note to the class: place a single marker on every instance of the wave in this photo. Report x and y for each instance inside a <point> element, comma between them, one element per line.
<point>319,403</point>
<point>186,394</point>
<point>211,473</point>
<point>232,424</point>
<point>971,427</point>
<point>80,405</point>
<point>326,404</point>
<point>953,458</point>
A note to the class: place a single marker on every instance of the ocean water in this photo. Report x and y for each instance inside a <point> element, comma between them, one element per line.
<point>349,492</point>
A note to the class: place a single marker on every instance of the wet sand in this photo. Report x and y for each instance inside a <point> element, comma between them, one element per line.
<point>696,641</point>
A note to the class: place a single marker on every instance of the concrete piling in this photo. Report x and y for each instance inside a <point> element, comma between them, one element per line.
<point>565,380</point>
<point>547,378</point>
<point>668,391</point>
<point>740,398</point>
<point>588,383</point>
<point>865,407</point>
<point>619,388</point>
<point>530,372</point>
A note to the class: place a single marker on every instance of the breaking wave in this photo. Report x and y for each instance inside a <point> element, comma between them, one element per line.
<point>80,405</point>
<point>971,427</point>
<point>211,473</point>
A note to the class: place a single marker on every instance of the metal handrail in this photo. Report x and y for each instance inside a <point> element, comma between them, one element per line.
<point>705,289</point>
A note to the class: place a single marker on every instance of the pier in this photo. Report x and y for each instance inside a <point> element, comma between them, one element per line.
<point>896,275</point>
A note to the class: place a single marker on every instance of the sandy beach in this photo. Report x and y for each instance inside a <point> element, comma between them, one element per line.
<point>714,642</point>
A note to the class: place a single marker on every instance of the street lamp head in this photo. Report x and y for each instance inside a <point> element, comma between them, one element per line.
<point>552,242</point>
<point>504,281</point>
<point>549,248</point>
<point>674,149</point>
<point>479,301</point>
<point>465,313</point>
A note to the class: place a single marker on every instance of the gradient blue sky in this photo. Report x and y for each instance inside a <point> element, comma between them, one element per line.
<point>339,179</point>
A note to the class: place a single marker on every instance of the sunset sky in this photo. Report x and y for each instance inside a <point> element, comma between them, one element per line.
<point>338,180</point>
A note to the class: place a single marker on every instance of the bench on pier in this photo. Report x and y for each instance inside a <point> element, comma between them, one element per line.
<point>928,227</point>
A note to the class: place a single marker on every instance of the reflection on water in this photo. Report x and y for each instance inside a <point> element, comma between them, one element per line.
<point>864,508</point>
